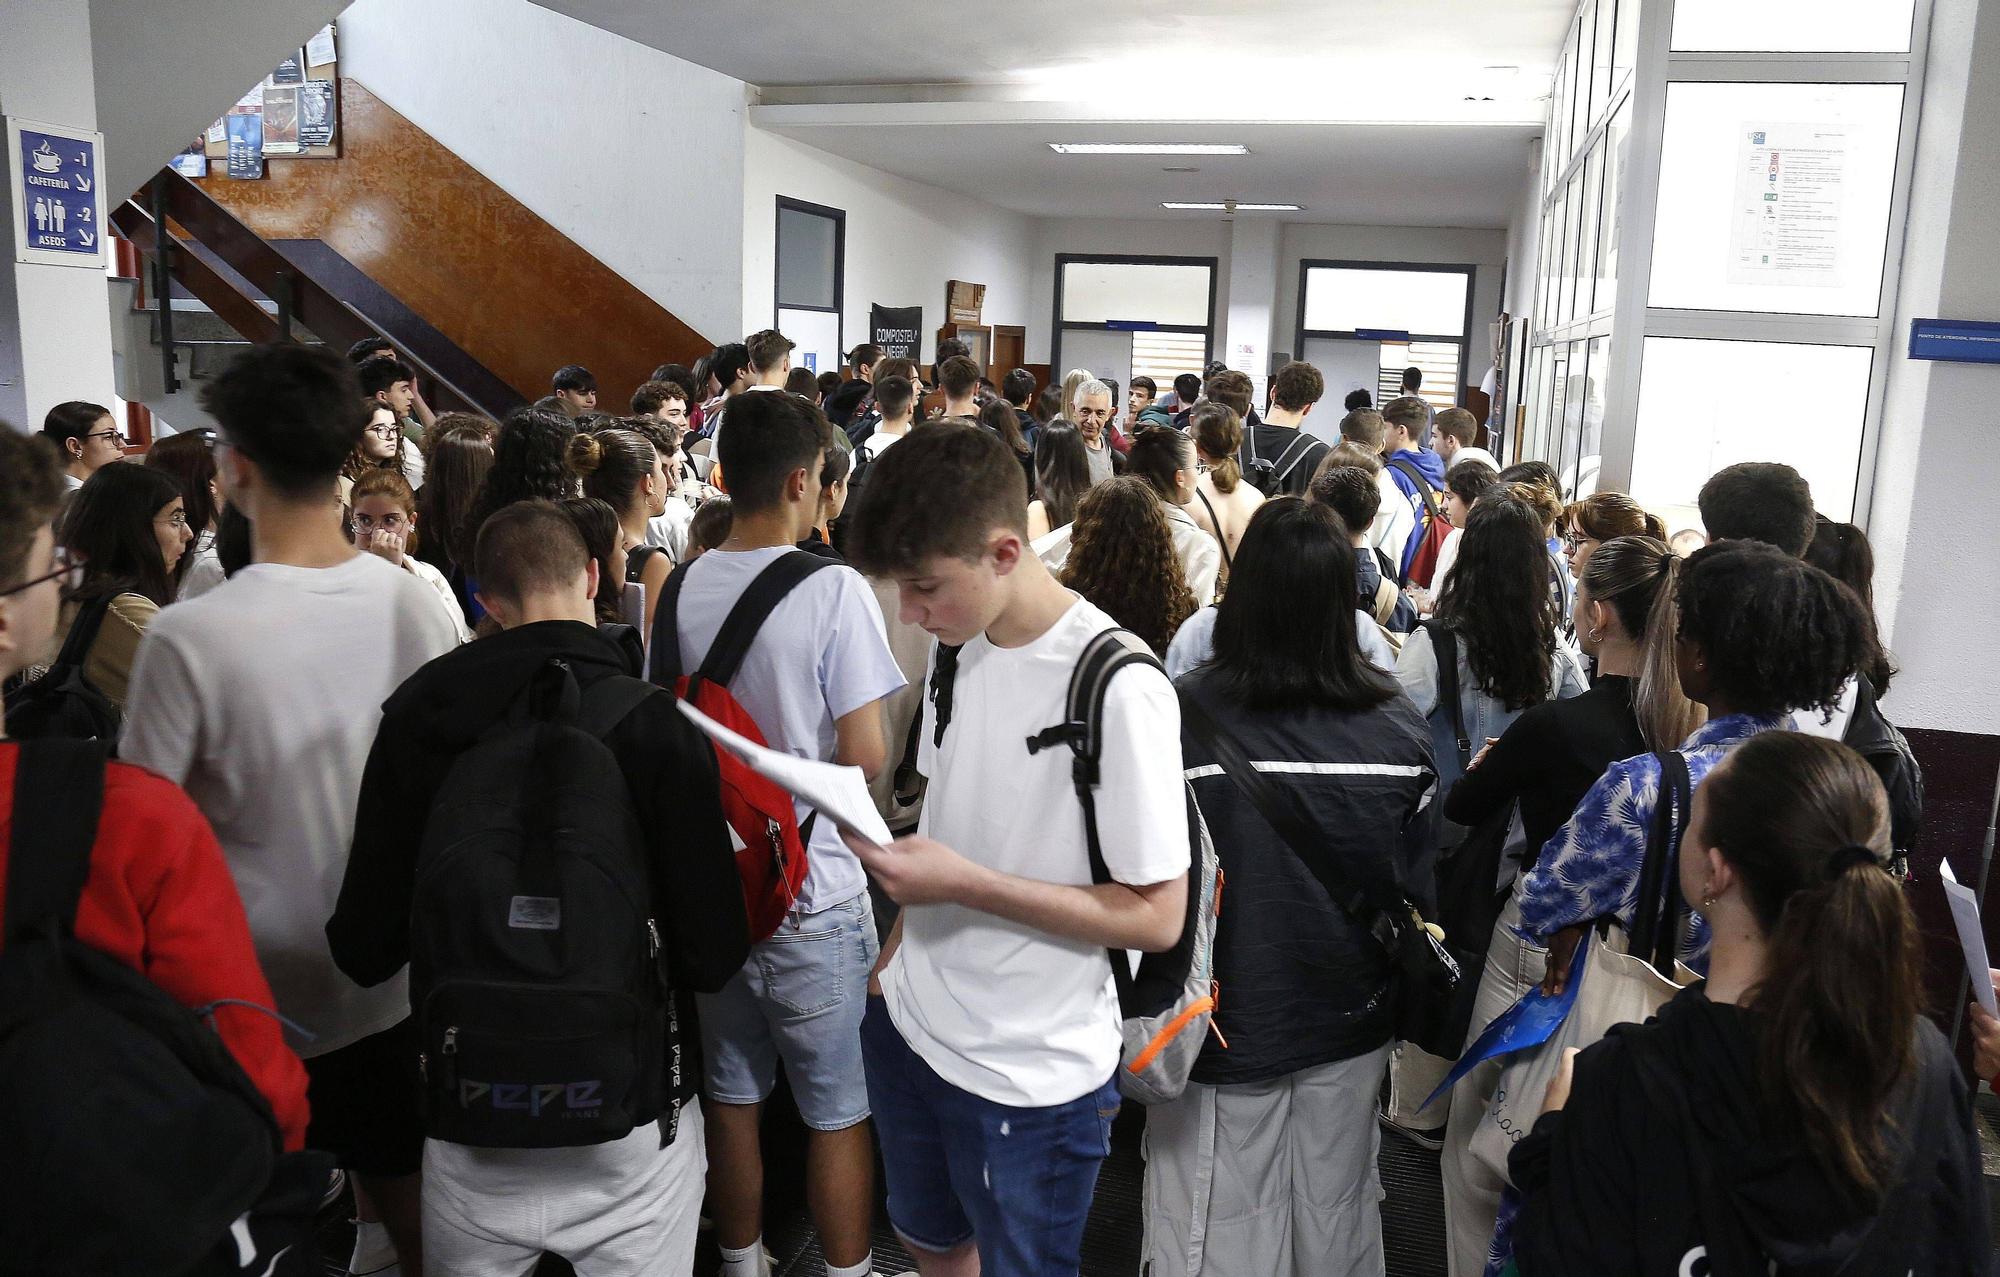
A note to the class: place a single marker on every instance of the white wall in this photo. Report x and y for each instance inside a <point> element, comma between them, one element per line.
<point>1935,556</point>
<point>1193,236</point>
<point>904,239</point>
<point>635,155</point>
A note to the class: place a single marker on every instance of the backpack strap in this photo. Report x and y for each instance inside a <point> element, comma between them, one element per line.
<point>1082,729</point>
<point>1657,909</point>
<point>606,702</point>
<point>58,796</point>
<point>1444,641</point>
<point>1294,453</point>
<point>944,672</point>
<point>1217,523</point>
<point>1416,476</point>
<point>82,633</point>
<point>636,560</point>
<point>739,628</point>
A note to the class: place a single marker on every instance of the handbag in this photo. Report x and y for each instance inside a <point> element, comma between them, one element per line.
<point>1620,979</point>
<point>1424,971</point>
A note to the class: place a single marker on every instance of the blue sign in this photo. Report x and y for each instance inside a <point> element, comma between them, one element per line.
<point>59,196</point>
<point>1965,341</point>
<point>1391,335</point>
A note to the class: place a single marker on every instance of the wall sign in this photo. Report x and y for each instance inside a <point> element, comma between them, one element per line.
<point>896,329</point>
<point>1965,341</point>
<point>57,193</point>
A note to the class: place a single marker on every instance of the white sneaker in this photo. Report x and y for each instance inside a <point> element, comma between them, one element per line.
<point>374,1253</point>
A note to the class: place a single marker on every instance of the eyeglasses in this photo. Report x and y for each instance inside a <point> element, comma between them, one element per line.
<point>385,432</point>
<point>392,522</point>
<point>68,571</point>
<point>178,520</point>
<point>118,435</point>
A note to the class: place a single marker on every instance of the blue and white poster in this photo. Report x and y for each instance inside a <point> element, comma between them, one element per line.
<point>58,203</point>
<point>246,143</point>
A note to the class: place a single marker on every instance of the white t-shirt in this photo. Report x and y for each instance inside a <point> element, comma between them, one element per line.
<point>1810,722</point>
<point>205,572</point>
<point>1395,521</point>
<point>261,699</point>
<point>1199,552</point>
<point>999,1009</point>
<point>821,655</point>
<point>441,588</point>
<point>669,531</point>
<point>876,444</point>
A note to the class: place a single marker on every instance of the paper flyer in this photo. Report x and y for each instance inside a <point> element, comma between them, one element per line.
<point>1971,938</point>
<point>281,119</point>
<point>838,793</point>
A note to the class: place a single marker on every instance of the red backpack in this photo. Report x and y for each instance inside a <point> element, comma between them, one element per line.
<point>770,841</point>
<point>1431,531</point>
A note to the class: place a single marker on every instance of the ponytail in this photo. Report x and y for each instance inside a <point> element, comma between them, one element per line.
<point>1637,577</point>
<point>1805,824</point>
<point>1218,432</point>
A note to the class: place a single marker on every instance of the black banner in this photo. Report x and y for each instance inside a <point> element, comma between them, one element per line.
<point>898,330</point>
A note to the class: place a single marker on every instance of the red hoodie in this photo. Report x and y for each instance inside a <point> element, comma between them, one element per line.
<point>160,899</point>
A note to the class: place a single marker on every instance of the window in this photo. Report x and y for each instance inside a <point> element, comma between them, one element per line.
<point>1793,26</point>
<point>1381,316</point>
<point>810,276</point>
<point>1126,316</point>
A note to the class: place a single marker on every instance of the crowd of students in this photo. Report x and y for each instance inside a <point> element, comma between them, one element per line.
<point>405,810</point>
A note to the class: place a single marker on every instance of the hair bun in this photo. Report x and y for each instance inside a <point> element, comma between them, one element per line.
<point>585,453</point>
<point>1848,857</point>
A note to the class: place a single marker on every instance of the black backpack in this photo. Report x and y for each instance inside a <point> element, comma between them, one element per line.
<point>1887,750</point>
<point>535,969</point>
<point>63,703</point>
<point>1264,474</point>
<point>134,1142</point>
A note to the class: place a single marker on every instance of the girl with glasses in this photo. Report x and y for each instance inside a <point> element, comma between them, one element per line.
<point>128,526</point>
<point>85,437</point>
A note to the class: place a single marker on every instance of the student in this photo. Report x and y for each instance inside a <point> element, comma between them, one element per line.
<point>1465,485</point>
<point>1759,501</point>
<point>1266,1165</point>
<point>668,529</point>
<point>1350,492</point>
<point>991,1050</point>
<point>1223,504</point>
<point>840,405</point>
<point>189,458</point>
<point>389,383</point>
<point>574,389</point>
<point>1842,551</point>
<point>622,469</point>
<point>665,401</point>
<point>156,895</point>
<point>812,681</point>
<point>1800,1081</point>
<point>833,488</point>
<point>369,347</point>
<point>128,527</point>
<point>300,646</point>
<point>868,414</point>
<point>709,528</point>
<point>1509,655</point>
<point>1121,557</point>
<point>896,400</point>
<point>385,524</point>
<point>770,354</point>
<point>85,437</point>
<point>1093,419</point>
<point>1018,389</point>
<point>1412,468</point>
<point>1584,525</point>
<point>628,1205</point>
<point>729,374</point>
<point>958,377</point>
<point>1395,520</point>
<point>379,449</point>
<point>827,382</point>
<point>597,523</point>
<point>1357,399</point>
<point>1283,439</point>
<point>1165,459</point>
<point>1062,476</point>
<point>1413,383</point>
<point>530,462</point>
<point>1456,431</point>
<point>461,454</point>
<point>1187,391</point>
<point>804,383</point>
<point>1145,410</point>
<point>1004,420</point>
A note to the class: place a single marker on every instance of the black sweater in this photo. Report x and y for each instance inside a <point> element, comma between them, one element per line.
<point>1549,758</point>
<point>443,709</point>
<point>1668,1148</point>
<point>1300,982</point>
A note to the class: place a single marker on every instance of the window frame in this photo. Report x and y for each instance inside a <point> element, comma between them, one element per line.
<point>1463,338</point>
<point>1057,326</point>
<point>838,216</point>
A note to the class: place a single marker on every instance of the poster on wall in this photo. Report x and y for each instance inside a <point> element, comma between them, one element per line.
<point>1786,229</point>
<point>320,49</point>
<point>896,329</point>
<point>281,119</point>
<point>192,161</point>
<point>315,113</point>
<point>290,71</point>
<point>56,193</point>
<point>246,144</point>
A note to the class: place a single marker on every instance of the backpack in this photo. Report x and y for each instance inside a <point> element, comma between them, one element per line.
<point>535,970</point>
<point>63,703</point>
<point>771,842</point>
<point>135,1143</point>
<point>1268,476</point>
<point>1165,1006</point>
<point>1887,750</point>
<point>1429,539</point>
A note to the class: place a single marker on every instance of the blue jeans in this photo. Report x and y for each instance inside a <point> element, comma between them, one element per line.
<point>1017,1180</point>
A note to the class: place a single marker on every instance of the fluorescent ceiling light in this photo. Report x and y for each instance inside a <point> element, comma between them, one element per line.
<point>1149,148</point>
<point>1219,207</point>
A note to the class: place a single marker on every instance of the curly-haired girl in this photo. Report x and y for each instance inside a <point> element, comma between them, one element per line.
<point>1122,559</point>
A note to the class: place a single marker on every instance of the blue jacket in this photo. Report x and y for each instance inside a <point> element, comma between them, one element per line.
<point>1431,466</point>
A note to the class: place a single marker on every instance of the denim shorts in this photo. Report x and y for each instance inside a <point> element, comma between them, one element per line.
<point>798,999</point>
<point>1017,1180</point>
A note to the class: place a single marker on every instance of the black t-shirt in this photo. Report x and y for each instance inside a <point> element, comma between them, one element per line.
<point>1281,446</point>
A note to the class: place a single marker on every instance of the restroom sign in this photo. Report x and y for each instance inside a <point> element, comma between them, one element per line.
<point>57,188</point>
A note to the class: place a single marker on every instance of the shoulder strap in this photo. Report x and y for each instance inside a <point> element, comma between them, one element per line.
<point>637,558</point>
<point>666,640</point>
<point>739,628</point>
<point>607,701</point>
<point>1416,476</point>
<point>1383,605</point>
<point>58,795</point>
<point>83,632</point>
<point>1444,641</point>
<point>1280,809</point>
<point>1216,524</point>
<point>1656,912</point>
<point>944,672</point>
<point>1246,452</point>
<point>1294,453</point>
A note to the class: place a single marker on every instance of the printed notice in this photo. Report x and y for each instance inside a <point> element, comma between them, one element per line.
<point>1786,226</point>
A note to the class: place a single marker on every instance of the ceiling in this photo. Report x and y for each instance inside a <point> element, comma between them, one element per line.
<point>1403,112</point>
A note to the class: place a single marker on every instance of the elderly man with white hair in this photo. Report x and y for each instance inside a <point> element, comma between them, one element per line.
<point>1093,421</point>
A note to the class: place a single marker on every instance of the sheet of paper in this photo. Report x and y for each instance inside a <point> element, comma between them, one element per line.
<point>838,793</point>
<point>320,49</point>
<point>1965,914</point>
<point>1530,1022</point>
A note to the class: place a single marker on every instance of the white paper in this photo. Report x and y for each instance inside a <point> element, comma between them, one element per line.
<point>1965,913</point>
<point>319,49</point>
<point>838,793</point>
<point>1789,180</point>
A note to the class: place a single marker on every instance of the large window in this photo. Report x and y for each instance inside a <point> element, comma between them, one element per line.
<point>810,274</point>
<point>1122,317</point>
<point>1362,323</point>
